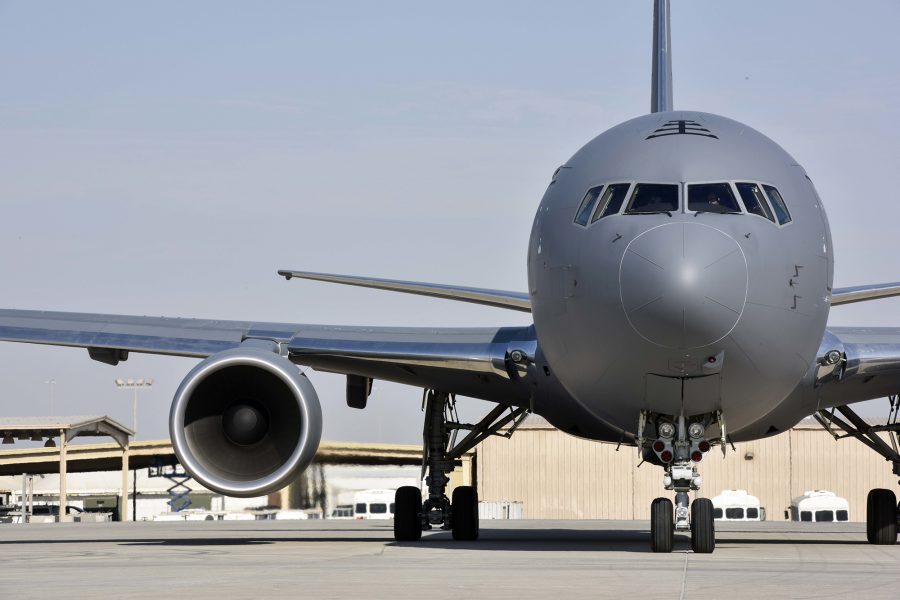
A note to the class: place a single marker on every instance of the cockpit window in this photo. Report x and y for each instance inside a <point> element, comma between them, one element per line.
<point>650,198</point>
<point>611,201</point>
<point>778,205</point>
<point>587,205</point>
<point>712,198</point>
<point>754,200</point>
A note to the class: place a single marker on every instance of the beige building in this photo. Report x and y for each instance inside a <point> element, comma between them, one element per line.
<point>558,476</point>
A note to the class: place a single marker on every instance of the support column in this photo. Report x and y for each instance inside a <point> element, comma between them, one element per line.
<point>123,497</point>
<point>63,500</point>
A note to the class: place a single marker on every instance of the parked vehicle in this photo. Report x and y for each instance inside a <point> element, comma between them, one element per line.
<point>737,505</point>
<point>374,504</point>
<point>345,511</point>
<point>820,506</point>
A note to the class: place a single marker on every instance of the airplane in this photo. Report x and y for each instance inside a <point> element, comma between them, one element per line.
<point>680,279</point>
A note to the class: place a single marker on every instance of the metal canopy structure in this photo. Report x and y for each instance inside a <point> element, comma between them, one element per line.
<point>67,429</point>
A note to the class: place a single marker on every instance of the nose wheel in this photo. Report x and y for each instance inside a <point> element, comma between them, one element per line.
<point>703,526</point>
<point>662,525</point>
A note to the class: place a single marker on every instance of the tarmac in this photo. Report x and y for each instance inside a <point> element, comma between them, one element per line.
<point>512,559</point>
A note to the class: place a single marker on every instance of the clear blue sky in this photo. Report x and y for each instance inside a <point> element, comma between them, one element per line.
<point>166,158</point>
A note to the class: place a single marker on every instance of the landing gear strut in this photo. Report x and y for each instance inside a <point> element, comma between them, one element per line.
<point>679,447</point>
<point>882,510</point>
<point>441,454</point>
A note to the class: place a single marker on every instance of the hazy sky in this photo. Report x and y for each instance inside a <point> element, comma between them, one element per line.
<point>167,158</point>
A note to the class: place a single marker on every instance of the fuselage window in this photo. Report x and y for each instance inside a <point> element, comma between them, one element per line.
<point>778,205</point>
<point>713,198</point>
<point>587,205</point>
<point>611,200</point>
<point>754,200</point>
<point>651,198</point>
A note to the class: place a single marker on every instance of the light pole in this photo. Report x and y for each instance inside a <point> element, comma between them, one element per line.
<point>52,384</point>
<point>134,385</point>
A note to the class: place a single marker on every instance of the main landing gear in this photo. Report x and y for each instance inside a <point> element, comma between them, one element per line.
<point>882,510</point>
<point>441,454</point>
<point>678,447</point>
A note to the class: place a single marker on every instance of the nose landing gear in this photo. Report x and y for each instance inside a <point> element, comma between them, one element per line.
<point>679,447</point>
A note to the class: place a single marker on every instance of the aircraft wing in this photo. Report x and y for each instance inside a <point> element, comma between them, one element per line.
<point>468,361</point>
<point>864,292</point>
<point>496,298</point>
<point>867,366</point>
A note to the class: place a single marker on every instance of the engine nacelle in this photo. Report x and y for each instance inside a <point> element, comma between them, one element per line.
<point>245,421</point>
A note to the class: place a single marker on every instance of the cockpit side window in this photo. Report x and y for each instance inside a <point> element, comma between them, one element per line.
<point>712,198</point>
<point>650,198</point>
<point>611,201</point>
<point>754,200</point>
<point>587,205</point>
<point>778,205</point>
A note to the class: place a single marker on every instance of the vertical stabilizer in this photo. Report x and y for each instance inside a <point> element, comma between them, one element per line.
<point>661,100</point>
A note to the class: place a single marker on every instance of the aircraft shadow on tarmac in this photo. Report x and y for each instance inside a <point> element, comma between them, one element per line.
<point>524,540</point>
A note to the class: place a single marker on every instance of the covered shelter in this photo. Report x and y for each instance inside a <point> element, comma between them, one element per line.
<point>67,429</point>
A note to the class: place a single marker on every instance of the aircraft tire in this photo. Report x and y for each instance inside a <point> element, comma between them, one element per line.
<point>407,506</point>
<point>881,517</point>
<point>662,523</point>
<point>703,526</point>
<point>464,505</point>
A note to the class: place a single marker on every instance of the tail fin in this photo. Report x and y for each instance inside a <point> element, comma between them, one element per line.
<point>661,98</point>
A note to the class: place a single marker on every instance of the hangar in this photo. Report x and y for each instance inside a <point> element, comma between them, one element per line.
<point>558,476</point>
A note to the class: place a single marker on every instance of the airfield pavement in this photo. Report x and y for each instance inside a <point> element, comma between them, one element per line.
<point>513,559</point>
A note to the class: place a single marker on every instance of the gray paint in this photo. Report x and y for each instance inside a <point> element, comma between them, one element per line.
<point>596,354</point>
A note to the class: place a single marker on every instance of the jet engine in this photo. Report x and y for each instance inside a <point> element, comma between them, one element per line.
<point>245,421</point>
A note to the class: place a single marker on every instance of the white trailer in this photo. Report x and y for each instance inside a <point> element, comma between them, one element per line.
<point>820,506</point>
<point>737,505</point>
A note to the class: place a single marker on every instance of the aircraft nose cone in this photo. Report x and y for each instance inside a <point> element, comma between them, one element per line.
<point>683,285</point>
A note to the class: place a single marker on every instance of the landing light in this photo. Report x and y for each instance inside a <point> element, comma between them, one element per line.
<point>659,446</point>
<point>703,446</point>
<point>666,429</point>
<point>696,456</point>
<point>666,457</point>
<point>696,430</point>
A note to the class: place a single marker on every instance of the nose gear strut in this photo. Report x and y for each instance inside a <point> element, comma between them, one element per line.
<point>682,477</point>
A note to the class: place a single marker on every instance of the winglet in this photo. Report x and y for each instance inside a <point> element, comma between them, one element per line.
<point>496,298</point>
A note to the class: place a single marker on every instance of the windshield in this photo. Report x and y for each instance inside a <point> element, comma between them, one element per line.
<point>712,198</point>
<point>651,198</point>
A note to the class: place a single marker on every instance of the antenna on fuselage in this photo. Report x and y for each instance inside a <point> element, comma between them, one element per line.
<point>661,98</point>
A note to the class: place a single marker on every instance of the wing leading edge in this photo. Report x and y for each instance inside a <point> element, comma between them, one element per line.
<point>496,298</point>
<point>861,293</point>
<point>467,361</point>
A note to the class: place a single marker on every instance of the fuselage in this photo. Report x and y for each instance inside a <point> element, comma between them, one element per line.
<point>680,263</point>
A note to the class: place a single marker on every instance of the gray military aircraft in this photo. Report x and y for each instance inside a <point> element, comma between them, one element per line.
<point>680,280</point>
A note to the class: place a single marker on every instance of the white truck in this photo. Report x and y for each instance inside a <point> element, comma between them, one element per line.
<point>820,506</point>
<point>737,505</point>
